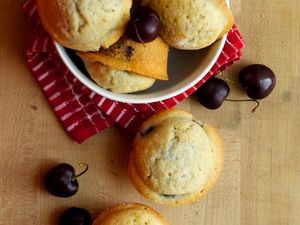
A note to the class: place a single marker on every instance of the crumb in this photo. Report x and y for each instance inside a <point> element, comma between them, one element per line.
<point>34,107</point>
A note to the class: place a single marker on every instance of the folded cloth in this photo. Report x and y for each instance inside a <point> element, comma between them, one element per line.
<point>81,111</point>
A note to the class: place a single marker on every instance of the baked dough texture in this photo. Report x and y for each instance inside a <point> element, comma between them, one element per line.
<point>192,24</point>
<point>85,25</point>
<point>130,214</point>
<point>175,159</point>
<point>150,59</point>
<point>117,81</point>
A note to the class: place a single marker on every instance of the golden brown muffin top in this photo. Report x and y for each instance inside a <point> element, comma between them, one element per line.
<point>130,214</point>
<point>175,159</point>
<point>85,25</point>
<point>191,24</point>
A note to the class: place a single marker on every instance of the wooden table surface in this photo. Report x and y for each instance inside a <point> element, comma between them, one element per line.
<point>260,182</point>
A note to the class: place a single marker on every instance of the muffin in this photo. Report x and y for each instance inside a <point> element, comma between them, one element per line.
<point>130,214</point>
<point>175,159</point>
<point>85,25</point>
<point>191,24</point>
<point>149,60</point>
<point>117,81</point>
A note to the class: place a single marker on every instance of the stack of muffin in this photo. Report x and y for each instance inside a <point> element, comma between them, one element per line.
<point>97,30</point>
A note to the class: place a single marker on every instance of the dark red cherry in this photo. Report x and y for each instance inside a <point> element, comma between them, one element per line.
<point>61,181</point>
<point>145,25</point>
<point>258,80</point>
<point>213,93</point>
<point>75,216</point>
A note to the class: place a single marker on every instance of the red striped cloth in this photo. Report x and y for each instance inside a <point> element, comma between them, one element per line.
<point>81,111</point>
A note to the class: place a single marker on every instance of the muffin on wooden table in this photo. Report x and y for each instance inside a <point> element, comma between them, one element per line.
<point>130,214</point>
<point>175,159</point>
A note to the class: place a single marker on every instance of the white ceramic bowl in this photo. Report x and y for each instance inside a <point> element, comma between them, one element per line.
<point>186,68</point>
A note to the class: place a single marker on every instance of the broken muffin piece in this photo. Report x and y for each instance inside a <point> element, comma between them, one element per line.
<point>149,60</point>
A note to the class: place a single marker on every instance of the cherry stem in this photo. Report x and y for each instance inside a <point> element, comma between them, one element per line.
<point>83,172</point>
<point>229,80</point>
<point>137,32</point>
<point>246,100</point>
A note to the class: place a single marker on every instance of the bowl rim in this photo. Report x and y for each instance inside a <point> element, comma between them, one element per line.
<point>137,99</point>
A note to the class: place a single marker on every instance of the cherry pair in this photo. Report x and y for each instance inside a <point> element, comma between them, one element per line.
<point>61,181</point>
<point>257,80</point>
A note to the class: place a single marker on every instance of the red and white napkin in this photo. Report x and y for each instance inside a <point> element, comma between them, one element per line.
<point>81,111</point>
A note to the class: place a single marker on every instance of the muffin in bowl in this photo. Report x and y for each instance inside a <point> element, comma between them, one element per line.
<point>190,24</point>
<point>185,70</point>
<point>128,66</point>
<point>117,81</point>
<point>85,25</point>
<point>175,159</point>
<point>130,214</point>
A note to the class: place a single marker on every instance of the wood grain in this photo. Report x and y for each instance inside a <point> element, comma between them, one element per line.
<point>260,182</point>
